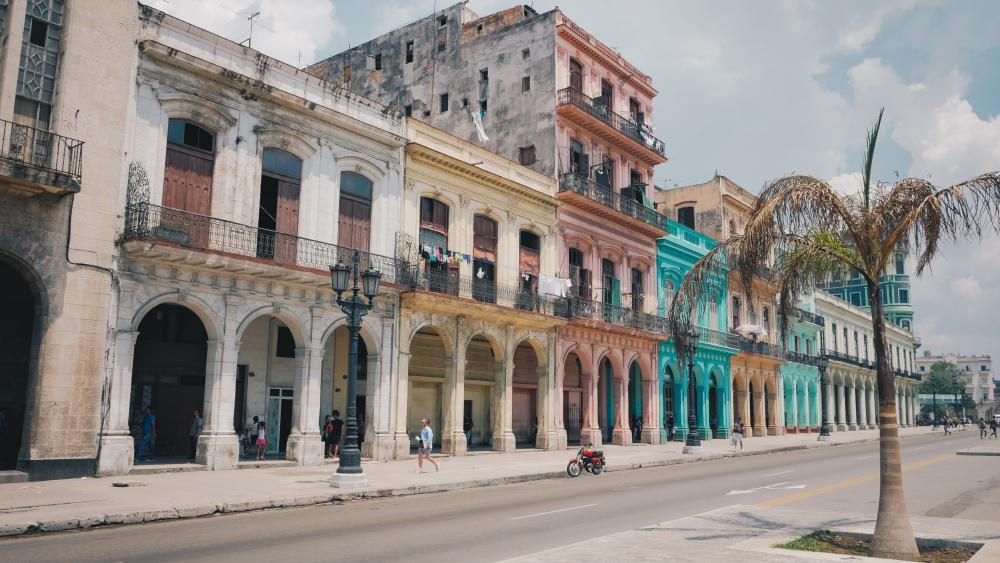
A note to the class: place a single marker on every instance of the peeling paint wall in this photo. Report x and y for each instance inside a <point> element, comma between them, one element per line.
<point>510,45</point>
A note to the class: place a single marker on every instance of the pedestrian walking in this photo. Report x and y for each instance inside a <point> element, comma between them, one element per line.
<point>670,427</point>
<point>637,437</point>
<point>993,428</point>
<point>253,432</point>
<point>148,444</point>
<point>467,425</point>
<point>982,429</point>
<point>335,432</point>
<point>425,443</point>
<point>261,439</point>
<point>962,422</point>
<point>737,436</point>
<point>947,427</point>
<point>195,431</point>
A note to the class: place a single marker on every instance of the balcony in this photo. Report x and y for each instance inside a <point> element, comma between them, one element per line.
<point>588,310</point>
<point>242,248</point>
<point>36,160</point>
<point>610,126</point>
<point>597,199</point>
<point>845,358</point>
<point>808,317</point>
<point>484,291</point>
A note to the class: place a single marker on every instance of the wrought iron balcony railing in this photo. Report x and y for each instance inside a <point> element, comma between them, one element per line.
<point>624,125</point>
<point>709,336</point>
<point>592,190</point>
<point>578,308</point>
<point>145,221</point>
<point>485,291</point>
<point>40,148</point>
<point>808,317</point>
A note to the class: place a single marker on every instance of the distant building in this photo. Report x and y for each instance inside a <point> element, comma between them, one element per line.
<point>977,371</point>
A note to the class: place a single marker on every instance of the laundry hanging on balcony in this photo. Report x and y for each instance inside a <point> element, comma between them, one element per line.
<point>554,286</point>
<point>436,254</point>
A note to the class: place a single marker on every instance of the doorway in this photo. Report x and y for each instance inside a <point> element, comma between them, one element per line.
<point>279,419</point>
<point>713,406</point>
<point>16,334</point>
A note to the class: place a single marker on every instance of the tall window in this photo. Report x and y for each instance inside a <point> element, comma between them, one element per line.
<point>834,331</point>
<point>579,275</point>
<point>607,98</point>
<point>575,75</point>
<point>900,264</point>
<point>530,266</point>
<point>608,282</point>
<point>866,347</point>
<point>579,161</point>
<point>442,276</point>
<point>736,312</point>
<point>685,216</point>
<point>668,293</point>
<point>278,207</point>
<point>767,321</point>
<point>187,175</point>
<point>355,211</point>
<point>637,289</point>
<point>409,52</point>
<point>484,251</point>
<point>796,341</point>
<point>36,78</point>
<point>635,112</point>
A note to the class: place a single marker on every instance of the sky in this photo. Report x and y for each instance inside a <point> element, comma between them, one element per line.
<point>757,90</point>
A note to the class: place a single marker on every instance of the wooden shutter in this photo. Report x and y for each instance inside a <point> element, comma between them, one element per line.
<point>187,186</point>
<point>355,223</point>
<point>484,238</point>
<point>287,228</point>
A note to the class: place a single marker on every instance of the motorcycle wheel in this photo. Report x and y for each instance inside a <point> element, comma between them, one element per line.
<point>573,469</point>
<point>597,469</point>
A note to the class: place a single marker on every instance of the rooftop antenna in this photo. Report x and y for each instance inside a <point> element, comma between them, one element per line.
<point>249,39</point>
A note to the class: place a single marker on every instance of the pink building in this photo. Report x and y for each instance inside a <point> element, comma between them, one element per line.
<point>606,241</point>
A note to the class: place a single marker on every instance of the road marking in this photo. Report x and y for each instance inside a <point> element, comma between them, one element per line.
<point>553,511</point>
<point>865,457</point>
<point>846,484</point>
<point>778,473</point>
<point>774,487</point>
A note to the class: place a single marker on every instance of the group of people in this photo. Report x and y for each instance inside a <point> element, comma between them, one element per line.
<point>952,423</point>
<point>991,425</point>
<point>635,425</point>
<point>147,440</point>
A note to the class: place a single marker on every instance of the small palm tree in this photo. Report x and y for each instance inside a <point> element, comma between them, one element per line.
<point>813,232</point>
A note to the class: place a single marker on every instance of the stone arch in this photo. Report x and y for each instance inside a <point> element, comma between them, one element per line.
<point>373,170</point>
<point>180,105</point>
<point>285,139</point>
<point>368,333</point>
<point>300,334</point>
<point>582,353</point>
<point>443,333</point>
<point>538,346</point>
<point>495,341</point>
<point>198,306</point>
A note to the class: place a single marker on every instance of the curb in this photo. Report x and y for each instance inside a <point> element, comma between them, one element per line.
<point>198,511</point>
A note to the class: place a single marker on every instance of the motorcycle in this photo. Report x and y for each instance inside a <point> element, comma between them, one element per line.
<point>586,459</point>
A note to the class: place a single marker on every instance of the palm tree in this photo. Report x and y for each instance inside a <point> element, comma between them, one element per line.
<point>813,232</point>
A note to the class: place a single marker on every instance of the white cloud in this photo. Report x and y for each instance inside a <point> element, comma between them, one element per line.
<point>966,288</point>
<point>847,184</point>
<point>292,31</point>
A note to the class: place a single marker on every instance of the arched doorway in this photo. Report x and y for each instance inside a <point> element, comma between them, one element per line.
<point>669,416</point>
<point>480,388</point>
<point>16,336</point>
<point>168,378</point>
<point>525,398</point>
<point>426,381</point>
<point>606,399</point>
<point>635,400</point>
<point>267,352</point>
<point>333,387</point>
<point>713,405</point>
<point>573,398</point>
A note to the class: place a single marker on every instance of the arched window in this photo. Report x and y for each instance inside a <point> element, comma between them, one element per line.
<point>278,207</point>
<point>355,211</point>
<point>187,175</point>
<point>441,274</point>
<point>484,254</point>
<point>575,75</point>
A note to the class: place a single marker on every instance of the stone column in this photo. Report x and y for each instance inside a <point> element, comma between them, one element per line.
<point>760,424</point>
<point>873,407</point>
<point>546,438</point>
<point>914,407</point>
<point>621,434</point>
<point>503,405</point>
<point>117,444</point>
<point>305,444</point>
<point>379,441</point>
<point>555,370</point>
<point>218,445</point>
<point>401,440</point>
<point>590,431</point>
<point>905,419</point>
<point>452,437</point>
<point>806,419</point>
<point>852,408</point>
<point>841,409</point>
<point>651,416</point>
<point>862,408</point>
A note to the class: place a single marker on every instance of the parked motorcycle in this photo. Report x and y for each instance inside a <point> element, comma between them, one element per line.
<point>586,459</point>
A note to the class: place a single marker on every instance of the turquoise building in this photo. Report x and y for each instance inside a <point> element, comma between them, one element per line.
<point>895,285</point>
<point>676,254</point>
<point>800,378</point>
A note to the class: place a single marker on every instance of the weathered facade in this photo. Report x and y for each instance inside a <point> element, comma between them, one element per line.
<point>248,178</point>
<point>63,83</point>
<point>477,338</point>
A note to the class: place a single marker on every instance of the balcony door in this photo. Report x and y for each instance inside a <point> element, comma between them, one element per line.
<point>355,220</point>
<point>187,183</point>
<point>278,208</point>
<point>484,249</point>
<point>575,75</point>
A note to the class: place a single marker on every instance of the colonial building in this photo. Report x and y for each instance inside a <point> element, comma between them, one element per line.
<point>851,381</point>
<point>676,254</point>
<point>800,374</point>
<point>977,372</point>
<point>63,83</point>
<point>247,179</point>
<point>538,89</point>
<point>895,284</point>
<point>719,208</point>
<point>477,342</point>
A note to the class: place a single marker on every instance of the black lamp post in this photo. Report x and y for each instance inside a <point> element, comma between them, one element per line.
<point>824,429</point>
<point>345,278</point>
<point>693,437</point>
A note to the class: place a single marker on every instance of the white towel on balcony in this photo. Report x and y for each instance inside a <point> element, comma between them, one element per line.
<point>554,286</point>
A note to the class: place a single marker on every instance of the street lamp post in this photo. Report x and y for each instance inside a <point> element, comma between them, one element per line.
<point>824,429</point>
<point>693,444</point>
<point>345,278</point>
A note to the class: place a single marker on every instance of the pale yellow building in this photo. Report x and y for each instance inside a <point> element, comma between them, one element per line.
<point>477,334</point>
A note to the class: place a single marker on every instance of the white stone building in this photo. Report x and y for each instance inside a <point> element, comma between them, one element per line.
<point>247,179</point>
<point>977,371</point>
<point>851,382</point>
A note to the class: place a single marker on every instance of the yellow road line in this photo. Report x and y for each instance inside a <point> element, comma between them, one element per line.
<point>850,483</point>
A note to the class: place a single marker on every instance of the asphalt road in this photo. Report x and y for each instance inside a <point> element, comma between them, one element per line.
<point>499,522</point>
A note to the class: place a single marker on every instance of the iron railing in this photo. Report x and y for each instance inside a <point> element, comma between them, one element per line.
<point>40,148</point>
<point>485,291</point>
<point>848,359</point>
<point>145,221</point>
<point>624,125</point>
<point>592,190</point>
<point>808,317</point>
<point>709,336</point>
<point>578,308</point>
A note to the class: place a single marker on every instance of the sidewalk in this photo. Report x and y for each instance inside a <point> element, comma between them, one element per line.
<point>44,506</point>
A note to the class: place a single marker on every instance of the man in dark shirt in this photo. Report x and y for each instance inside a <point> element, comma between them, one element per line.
<point>334,434</point>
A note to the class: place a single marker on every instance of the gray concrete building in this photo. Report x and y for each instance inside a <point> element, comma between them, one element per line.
<point>65,76</point>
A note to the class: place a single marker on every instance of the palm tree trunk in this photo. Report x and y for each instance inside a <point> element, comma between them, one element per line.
<point>893,537</point>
